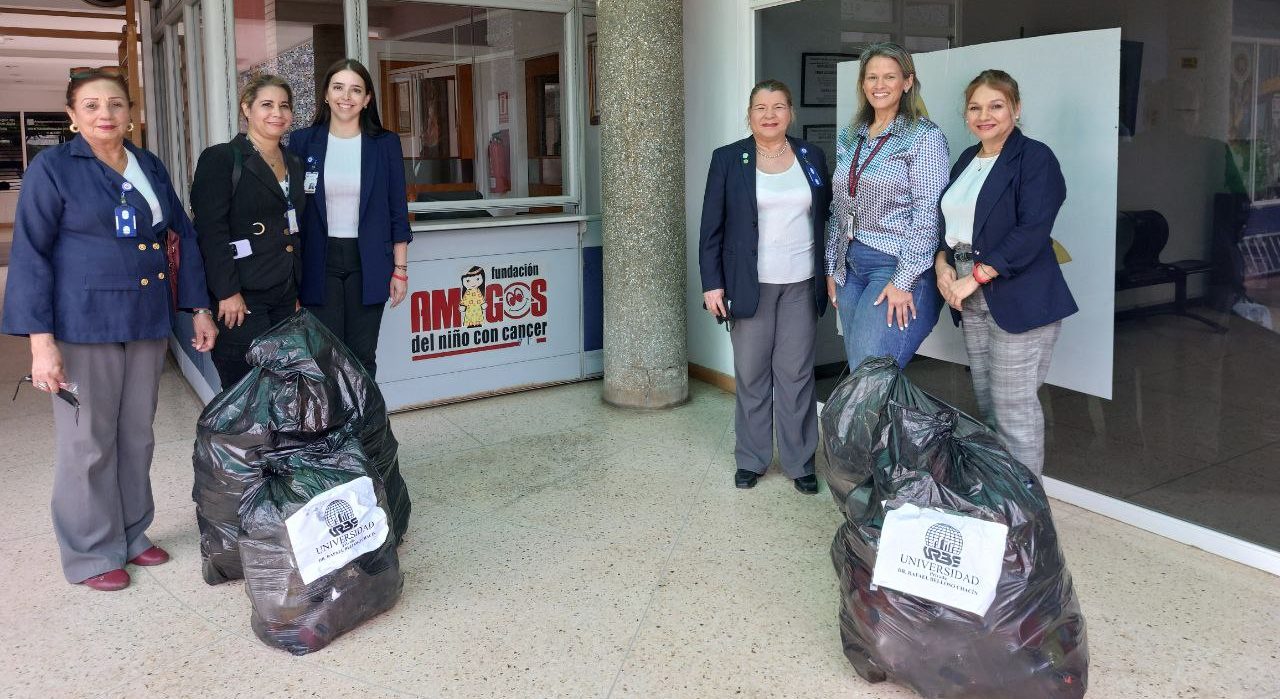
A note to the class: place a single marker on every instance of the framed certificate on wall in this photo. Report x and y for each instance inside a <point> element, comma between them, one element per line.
<point>818,78</point>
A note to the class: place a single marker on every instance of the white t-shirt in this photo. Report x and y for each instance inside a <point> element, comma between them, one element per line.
<point>342,186</point>
<point>784,203</point>
<point>961,200</point>
<point>134,175</point>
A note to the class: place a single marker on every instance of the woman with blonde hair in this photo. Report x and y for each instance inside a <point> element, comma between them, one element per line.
<point>247,198</point>
<point>891,168</point>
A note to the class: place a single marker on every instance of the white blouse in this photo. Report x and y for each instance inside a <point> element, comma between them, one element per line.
<point>342,186</point>
<point>783,205</point>
<point>960,202</point>
<point>134,175</point>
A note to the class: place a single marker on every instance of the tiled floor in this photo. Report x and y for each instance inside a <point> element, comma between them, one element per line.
<point>563,548</point>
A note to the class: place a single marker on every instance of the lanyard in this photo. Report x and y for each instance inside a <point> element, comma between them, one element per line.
<point>855,172</point>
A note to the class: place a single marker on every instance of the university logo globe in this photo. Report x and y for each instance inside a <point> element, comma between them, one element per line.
<point>943,543</point>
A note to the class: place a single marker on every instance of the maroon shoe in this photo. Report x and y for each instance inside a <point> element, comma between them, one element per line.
<point>109,581</point>
<point>153,556</point>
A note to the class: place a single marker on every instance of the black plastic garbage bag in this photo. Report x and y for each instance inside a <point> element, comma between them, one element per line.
<point>1030,641</point>
<point>316,547</point>
<point>303,384</point>
<point>851,422</point>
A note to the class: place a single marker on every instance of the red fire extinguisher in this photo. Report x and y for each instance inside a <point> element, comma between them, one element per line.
<point>499,163</point>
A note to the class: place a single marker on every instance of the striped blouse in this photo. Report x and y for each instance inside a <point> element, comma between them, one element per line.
<point>897,199</point>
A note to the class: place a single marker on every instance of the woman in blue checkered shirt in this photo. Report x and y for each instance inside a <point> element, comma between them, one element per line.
<point>892,165</point>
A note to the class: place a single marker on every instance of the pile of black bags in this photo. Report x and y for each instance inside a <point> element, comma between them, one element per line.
<point>305,419</point>
<point>892,447</point>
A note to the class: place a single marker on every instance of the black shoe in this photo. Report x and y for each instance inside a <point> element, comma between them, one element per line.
<point>745,479</point>
<point>807,484</point>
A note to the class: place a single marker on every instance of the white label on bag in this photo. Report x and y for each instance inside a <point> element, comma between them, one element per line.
<point>336,527</point>
<point>946,558</point>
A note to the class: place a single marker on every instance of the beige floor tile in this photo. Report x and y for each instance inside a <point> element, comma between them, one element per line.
<point>752,620</point>
<point>640,495</point>
<point>532,413</point>
<point>504,610</point>
<point>64,640</point>
<point>486,478</point>
<point>230,668</point>
<point>1165,620</point>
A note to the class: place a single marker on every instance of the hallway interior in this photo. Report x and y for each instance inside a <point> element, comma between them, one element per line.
<point>563,548</point>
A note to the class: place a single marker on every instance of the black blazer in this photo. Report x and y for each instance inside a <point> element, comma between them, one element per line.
<point>730,230</point>
<point>1017,206</point>
<point>256,213</point>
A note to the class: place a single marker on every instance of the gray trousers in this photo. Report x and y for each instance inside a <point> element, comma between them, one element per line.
<point>1008,370</point>
<point>101,483</point>
<point>773,368</point>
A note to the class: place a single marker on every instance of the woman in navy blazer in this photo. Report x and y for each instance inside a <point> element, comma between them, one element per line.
<point>87,284</point>
<point>761,250</point>
<point>355,230</point>
<point>999,210</point>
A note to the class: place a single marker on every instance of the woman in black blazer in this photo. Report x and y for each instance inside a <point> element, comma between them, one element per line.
<point>996,266</point>
<point>247,199</point>
<point>760,255</point>
<point>356,228</point>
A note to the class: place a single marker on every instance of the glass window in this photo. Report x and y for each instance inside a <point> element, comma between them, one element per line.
<point>295,40</point>
<point>1193,425</point>
<point>477,97</point>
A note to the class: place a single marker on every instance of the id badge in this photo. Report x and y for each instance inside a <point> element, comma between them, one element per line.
<point>126,222</point>
<point>310,182</point>
<point>293,220</point>
<point>850,225</point>
<point>240,249</point>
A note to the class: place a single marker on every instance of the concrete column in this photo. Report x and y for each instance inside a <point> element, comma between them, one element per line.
<point>641,88</point>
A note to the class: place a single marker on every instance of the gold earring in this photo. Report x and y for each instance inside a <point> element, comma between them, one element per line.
<point>130,129</point>
<point>74,129</point>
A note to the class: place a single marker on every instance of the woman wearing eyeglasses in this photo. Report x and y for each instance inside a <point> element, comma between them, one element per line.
<point>760,251</point>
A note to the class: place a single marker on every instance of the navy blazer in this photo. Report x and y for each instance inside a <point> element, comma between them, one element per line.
<point>68,272</point>
<point>384,213</point>
<point>730,230</point>
<point>1016,208</point>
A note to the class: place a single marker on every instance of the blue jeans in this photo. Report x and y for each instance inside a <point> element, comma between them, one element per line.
<point>866,332</point>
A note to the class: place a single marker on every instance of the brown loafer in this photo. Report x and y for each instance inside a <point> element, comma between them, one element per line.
<point>153,556</point>
<point>110,581</point>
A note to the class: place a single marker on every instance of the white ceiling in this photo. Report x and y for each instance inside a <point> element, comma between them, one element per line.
<point>41,64</point>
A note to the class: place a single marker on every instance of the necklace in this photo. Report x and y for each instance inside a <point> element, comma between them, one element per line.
<point>981,162</point>
<point>276,164</point>
<point>777,154</point>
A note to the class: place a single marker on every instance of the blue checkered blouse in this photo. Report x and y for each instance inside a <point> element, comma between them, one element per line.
<point>897,201</point>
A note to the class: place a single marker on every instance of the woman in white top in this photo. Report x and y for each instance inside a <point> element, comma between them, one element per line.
<point>760,248</point>
<point>355,230</point>
<point>998,214</point>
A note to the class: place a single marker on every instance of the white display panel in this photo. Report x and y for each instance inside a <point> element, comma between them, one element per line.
<point>1070,85</point>
<point>528,331</point>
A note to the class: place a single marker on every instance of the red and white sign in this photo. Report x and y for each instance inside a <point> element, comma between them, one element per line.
<point>475,322</point>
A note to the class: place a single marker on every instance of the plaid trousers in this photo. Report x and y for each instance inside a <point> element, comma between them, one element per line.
<point>1008,370</point>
